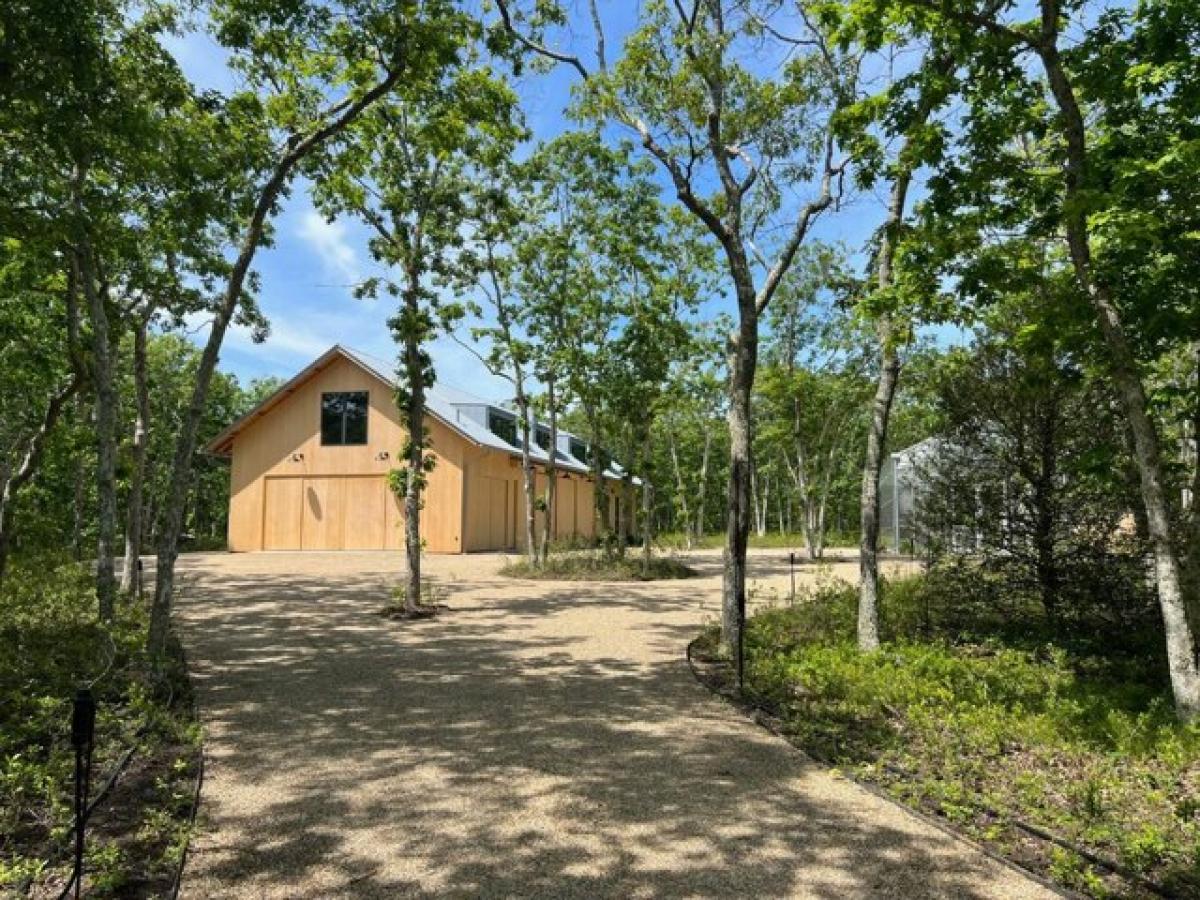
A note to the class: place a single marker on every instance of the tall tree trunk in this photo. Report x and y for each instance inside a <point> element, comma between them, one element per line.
<point>702,486</point>
<point>743,360</point>
<point>888,378</point>
<point>528,480</point>
<point>171,521</point>
<point>823,499</point>
<point>647,503</point>
<point>551,470</point>
<point>881,408</point>
<point>681,503</point>
<point>131,576</point>
<point>1181,651</point>
<point>600,514</point>
<point>414,416</point>
<point>625,513</point>
<point>103,378</point>
<point>79,494</point>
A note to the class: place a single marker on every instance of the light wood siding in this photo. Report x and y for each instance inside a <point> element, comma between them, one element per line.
<point>489,517</point>
<point>273,455</point>
<point>283,513</point>
<point>289,492</point>
<point>365,502</point>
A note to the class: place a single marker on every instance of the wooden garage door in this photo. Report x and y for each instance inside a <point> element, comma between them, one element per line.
<point>282,513</point>
<point>326,513</point>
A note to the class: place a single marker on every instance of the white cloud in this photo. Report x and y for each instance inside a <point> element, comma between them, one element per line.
<point>286,347</point>
<point>328,239</point>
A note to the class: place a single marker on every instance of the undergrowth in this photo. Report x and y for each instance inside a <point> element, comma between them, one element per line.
<point>598,566</point>
<point>53,644</point>
<point>990,719</point>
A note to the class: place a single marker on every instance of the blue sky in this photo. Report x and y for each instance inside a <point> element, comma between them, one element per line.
<point>307,275</point>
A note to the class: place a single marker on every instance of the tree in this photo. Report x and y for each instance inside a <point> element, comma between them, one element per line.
<point>595,217</point>
<point>504,215</point>
<point>90,149</point>
<point>1111,197</point>
<point>685,87</point>
<point>408,174</point>
<point>1030,453</point>
<point>293,60</point>
<point>36,384</point>
<point>812,389</point>
<point>131,574</point>
<point>691,408</point>
<point>907,109</point>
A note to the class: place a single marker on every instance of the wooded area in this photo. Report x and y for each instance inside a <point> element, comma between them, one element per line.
<point>663,276</point>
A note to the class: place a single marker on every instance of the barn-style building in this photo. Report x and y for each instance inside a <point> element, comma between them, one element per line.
<point>309,467</point>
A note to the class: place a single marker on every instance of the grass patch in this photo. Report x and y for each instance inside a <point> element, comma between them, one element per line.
<point>988,724</point>
<point>599,567</point>
<point>53,644</point>
<point>432,600</point>
<point>772,540</point>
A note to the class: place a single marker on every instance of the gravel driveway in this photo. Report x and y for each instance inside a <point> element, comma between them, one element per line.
<point>536,740</point>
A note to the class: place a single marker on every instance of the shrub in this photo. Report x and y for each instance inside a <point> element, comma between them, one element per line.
<point>53,644</point>
<point>972,708</point>
<point>599,566</point>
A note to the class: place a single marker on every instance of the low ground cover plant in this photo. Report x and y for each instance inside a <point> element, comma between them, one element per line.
<point>988,719</point>
<point>53,644</point>
<point>600,566</point>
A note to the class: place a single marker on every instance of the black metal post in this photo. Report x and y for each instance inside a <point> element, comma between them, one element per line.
<point>83,730</point>
<point>792,570</point>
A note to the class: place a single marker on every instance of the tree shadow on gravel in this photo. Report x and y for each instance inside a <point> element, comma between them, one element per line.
<point>507,748</point>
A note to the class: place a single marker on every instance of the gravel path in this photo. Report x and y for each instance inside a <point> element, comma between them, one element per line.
<point>536,740</point>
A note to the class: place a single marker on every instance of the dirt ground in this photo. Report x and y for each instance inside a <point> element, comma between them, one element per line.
<point>535,740</point>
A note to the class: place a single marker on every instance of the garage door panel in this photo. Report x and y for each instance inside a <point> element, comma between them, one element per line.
<point>324,513</point>
<point>498,510</point>
<point>365,514</point>
<point>346,512</point>
<point>282,513</point>
<point>393,520</point>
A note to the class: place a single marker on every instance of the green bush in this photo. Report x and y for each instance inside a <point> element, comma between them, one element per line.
<point>599,566</point>
<point>972,706</point>
<point>53,645</point>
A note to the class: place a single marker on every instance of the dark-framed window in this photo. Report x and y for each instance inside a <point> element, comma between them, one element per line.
<point>542,437</point>
<point>344,418</point>
<point>579,450</point>
<point>504,427</point>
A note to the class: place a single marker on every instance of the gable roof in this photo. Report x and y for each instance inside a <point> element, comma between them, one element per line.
<point>445,404</point>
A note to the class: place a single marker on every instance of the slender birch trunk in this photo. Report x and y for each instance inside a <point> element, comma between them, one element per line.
<point>681,492</point>
<point>1191,557</point>
<point>888,337</point>
<point>600,529</point>
<point>551,469</point>
<point>743,361</point>
<point>647,505</point>
<point>528,480</point>
<point>881,408</point>
<point>702,489</point>
<point>131,576</point>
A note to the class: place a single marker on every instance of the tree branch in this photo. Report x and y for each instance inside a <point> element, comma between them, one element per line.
<point>534,46</point>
